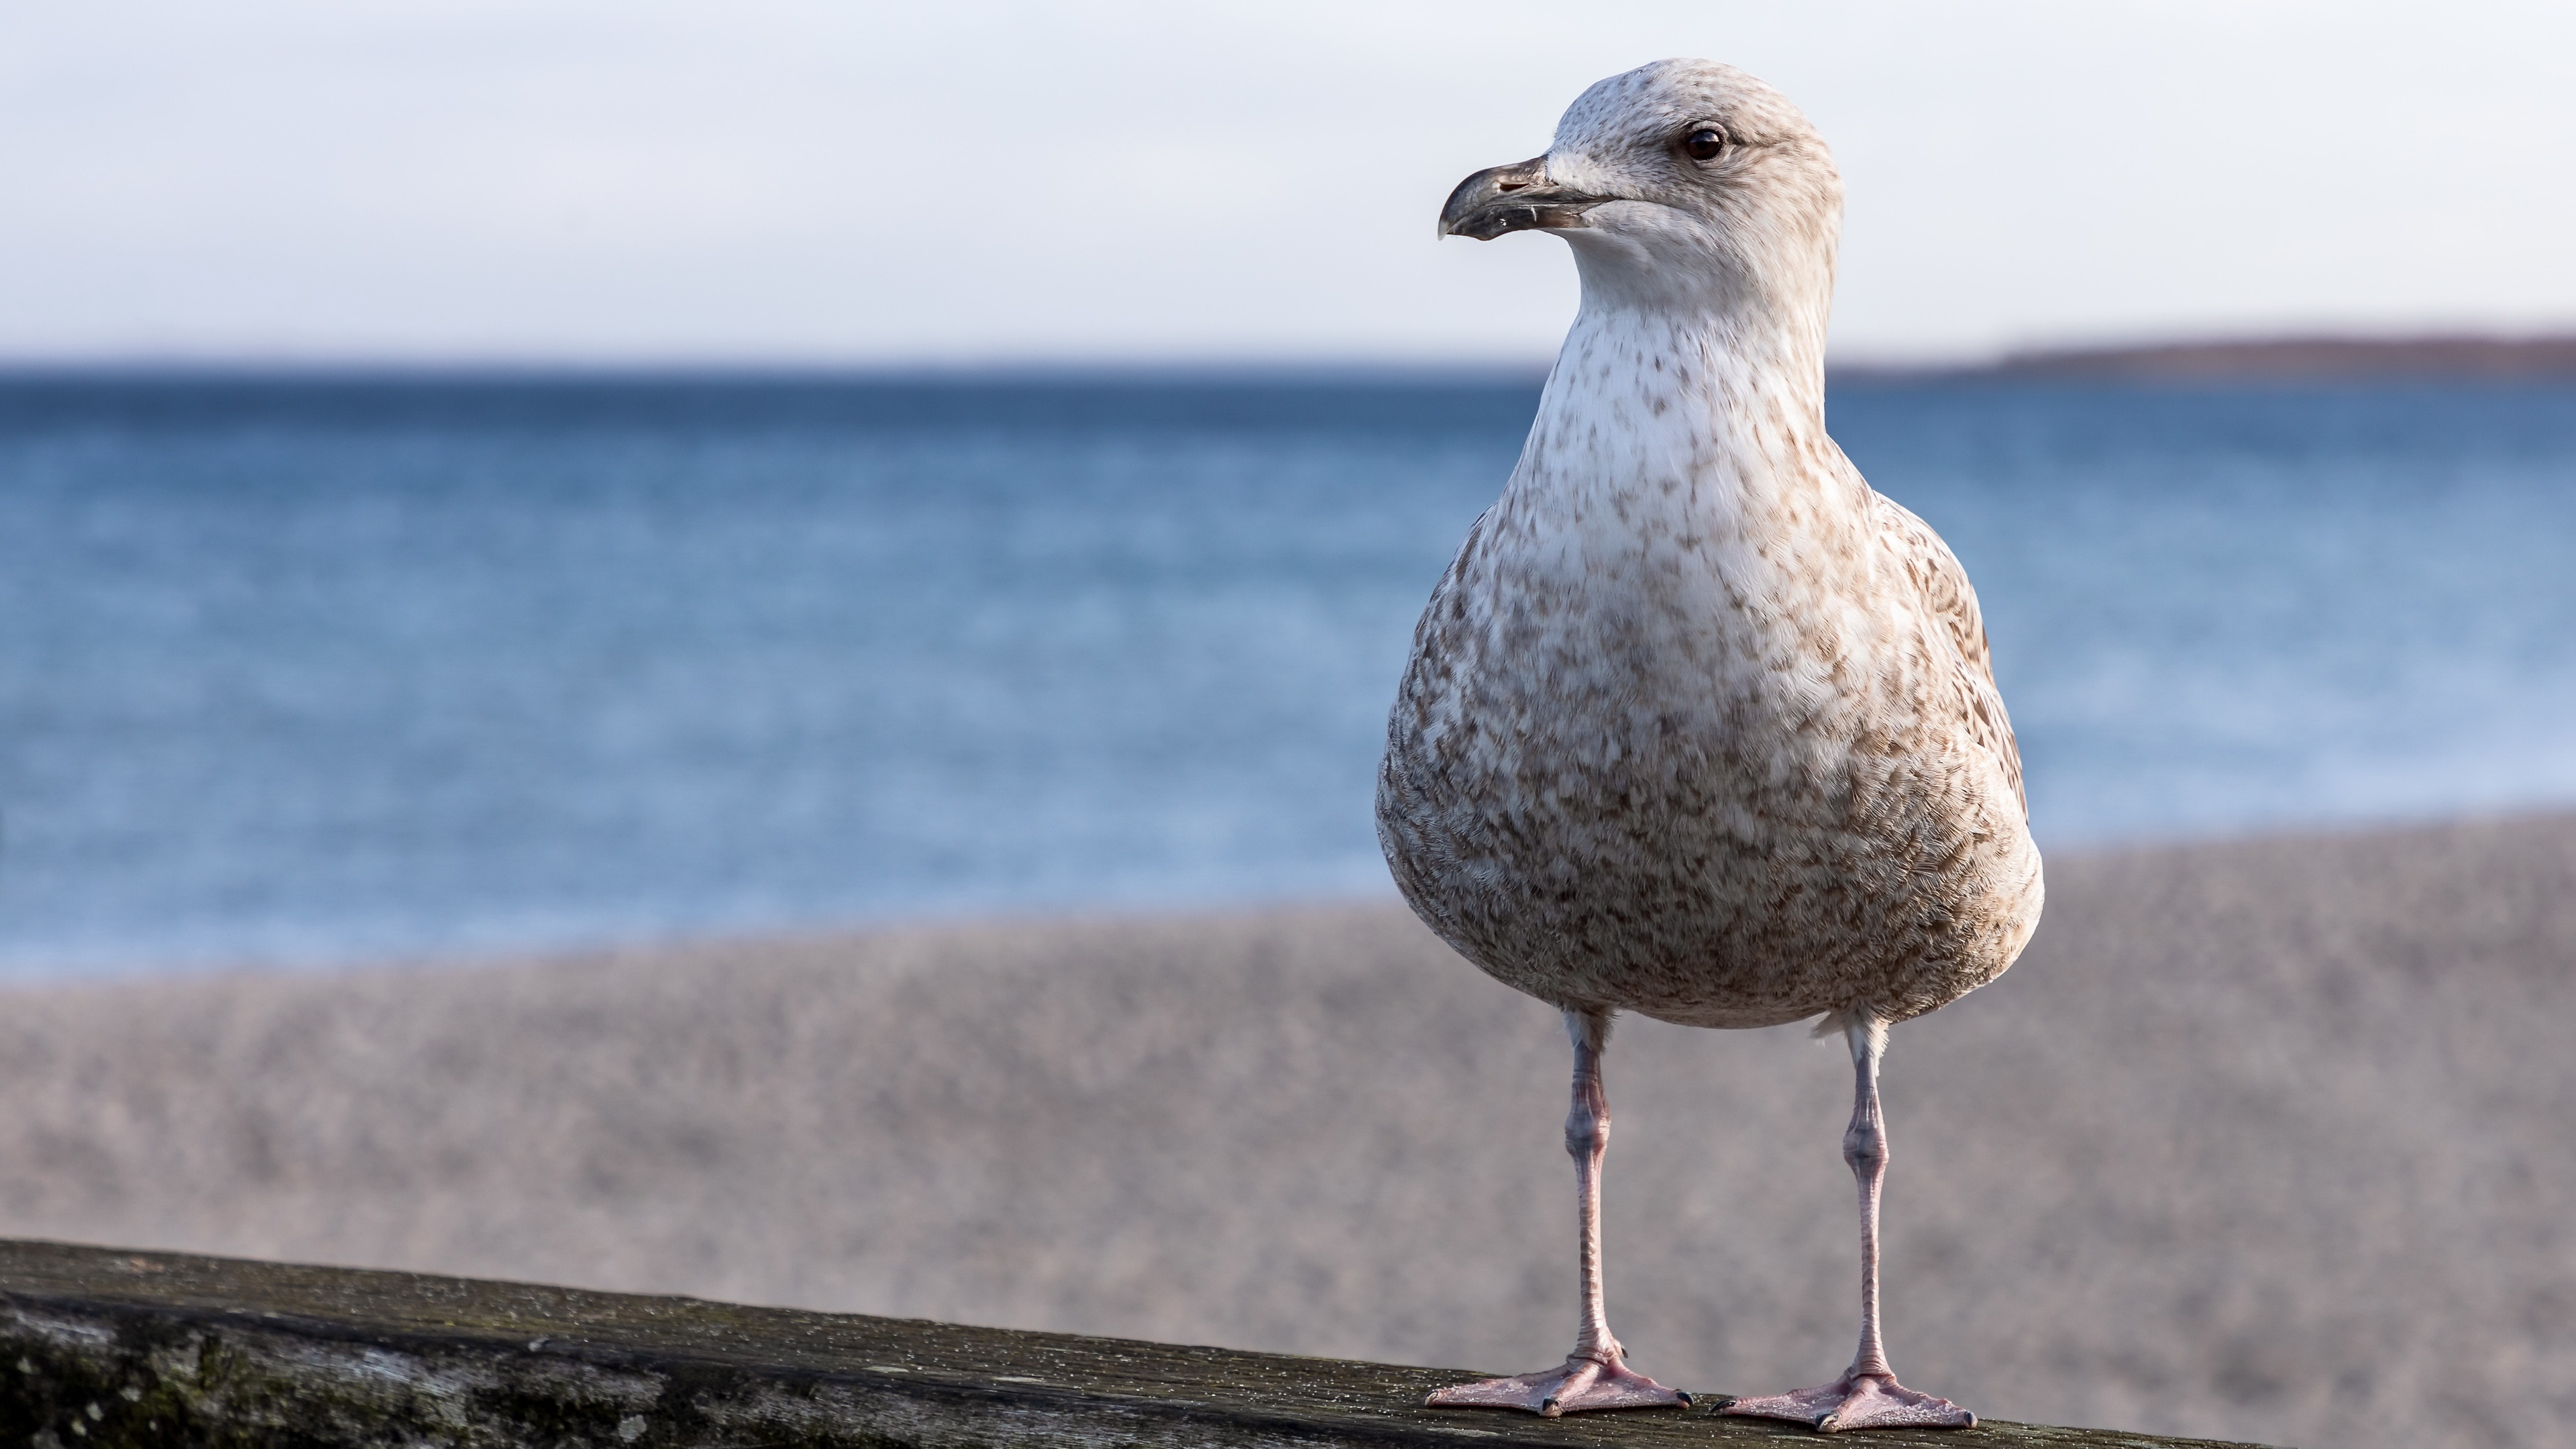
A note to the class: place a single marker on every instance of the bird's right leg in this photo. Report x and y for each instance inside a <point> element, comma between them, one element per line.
<point>1593,1376</point>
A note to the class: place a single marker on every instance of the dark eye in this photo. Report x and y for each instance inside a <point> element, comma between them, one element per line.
<point>1704,144</point>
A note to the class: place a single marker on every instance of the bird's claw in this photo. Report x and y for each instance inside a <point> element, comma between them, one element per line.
<point>1857,1401</point>
<point>1578,1385</point>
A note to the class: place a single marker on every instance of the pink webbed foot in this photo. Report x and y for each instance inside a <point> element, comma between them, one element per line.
<point>1858,1401</point>
<point>1577,1385</point>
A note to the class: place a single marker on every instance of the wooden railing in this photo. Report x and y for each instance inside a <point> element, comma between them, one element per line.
<point>111,1348</point>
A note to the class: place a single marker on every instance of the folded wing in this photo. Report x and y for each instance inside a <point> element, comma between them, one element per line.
<point>1952,602</point>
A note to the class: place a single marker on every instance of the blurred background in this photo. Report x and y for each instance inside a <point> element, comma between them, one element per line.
<point>491,476</point>
<point>482,482</point>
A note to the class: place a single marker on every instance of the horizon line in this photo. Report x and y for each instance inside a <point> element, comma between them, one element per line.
<point>2282,355</point>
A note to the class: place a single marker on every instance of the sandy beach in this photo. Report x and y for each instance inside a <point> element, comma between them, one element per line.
<point>2262,1140</point>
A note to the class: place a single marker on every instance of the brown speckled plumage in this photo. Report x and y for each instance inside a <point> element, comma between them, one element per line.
<point>1696,724</point>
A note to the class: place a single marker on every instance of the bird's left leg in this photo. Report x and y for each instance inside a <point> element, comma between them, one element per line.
<point>1867,1396</point>
<point>1593,1376</point>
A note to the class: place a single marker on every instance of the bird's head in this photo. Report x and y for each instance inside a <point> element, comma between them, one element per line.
<point>1683,182</point>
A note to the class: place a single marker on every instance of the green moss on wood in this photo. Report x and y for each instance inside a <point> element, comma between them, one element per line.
<point>105,1349</point>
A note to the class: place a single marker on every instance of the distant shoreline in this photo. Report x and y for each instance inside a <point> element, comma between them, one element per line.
<point>2430,357</point>
<point>2460,357</point>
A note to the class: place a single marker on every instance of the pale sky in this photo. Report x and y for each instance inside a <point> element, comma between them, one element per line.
<point>636,181</point>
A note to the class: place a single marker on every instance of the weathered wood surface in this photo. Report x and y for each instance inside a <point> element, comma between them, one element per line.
<point>110,1347</point>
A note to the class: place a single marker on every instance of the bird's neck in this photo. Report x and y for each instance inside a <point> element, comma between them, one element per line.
<point>1721,410</point>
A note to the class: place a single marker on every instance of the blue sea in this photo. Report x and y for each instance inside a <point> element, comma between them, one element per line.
<point>316,670</point>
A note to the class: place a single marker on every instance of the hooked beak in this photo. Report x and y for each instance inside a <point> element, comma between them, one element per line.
<point>1518,197</point>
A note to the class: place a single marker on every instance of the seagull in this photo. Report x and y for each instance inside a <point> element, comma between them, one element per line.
<point>1696,725</point>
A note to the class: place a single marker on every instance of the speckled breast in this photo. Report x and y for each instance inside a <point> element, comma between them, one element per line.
<point>1702,832</point>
